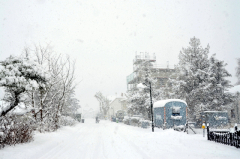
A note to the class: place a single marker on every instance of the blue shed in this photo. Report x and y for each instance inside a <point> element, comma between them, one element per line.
<point>172,112</point>
<point>215,119</point>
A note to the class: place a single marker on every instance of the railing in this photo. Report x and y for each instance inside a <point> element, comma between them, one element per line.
<point>144,56</point>
<point>162,66</point>
<point>156,66</point>
<point>225,137</point>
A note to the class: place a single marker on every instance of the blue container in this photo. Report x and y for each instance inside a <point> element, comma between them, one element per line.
<point>172,112</point>
<point>216,119</point>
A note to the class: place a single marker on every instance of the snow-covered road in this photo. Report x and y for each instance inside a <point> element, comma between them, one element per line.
<point>116,140</point>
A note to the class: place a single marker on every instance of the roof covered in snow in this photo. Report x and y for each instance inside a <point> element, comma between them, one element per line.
<point>119,98</point>
<point>113,98</point>
<point>215,111</point>
<point>234,89</point>
<point>162,103</point>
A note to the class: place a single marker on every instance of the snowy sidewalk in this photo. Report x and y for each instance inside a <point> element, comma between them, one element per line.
<point>116,140</point>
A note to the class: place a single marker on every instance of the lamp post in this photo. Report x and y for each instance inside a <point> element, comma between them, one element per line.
<point>142,86</point>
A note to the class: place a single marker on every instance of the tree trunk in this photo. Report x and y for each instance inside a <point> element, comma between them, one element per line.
<point>13,104</point>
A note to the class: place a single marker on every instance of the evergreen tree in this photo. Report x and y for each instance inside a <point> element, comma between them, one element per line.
<point>214,95</point>
<point>200,81</point>
<point>17,76</point>
<point>191,74</point>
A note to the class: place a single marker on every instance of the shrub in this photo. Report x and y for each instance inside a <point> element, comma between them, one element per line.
<point>15,129</point>
<point>134,121</point>
<point>67,121</point>
<point>126,120</point>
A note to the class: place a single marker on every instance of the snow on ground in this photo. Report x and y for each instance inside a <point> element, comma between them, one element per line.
<point>116,140</point>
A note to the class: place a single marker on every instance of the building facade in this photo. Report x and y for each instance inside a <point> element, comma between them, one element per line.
<point>159,71</point>
<point>116,105</point>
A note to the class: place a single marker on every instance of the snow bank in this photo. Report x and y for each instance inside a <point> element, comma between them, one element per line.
<point>176,109</point>
<point>162,103</point>
<point>176,117</point>
<point>115,140</point>
<point>215,111</point>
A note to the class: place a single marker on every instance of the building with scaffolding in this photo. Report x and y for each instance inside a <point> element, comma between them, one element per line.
<point>159,71</point>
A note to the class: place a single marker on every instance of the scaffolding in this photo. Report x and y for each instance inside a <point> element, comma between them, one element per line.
<point>161,72</point>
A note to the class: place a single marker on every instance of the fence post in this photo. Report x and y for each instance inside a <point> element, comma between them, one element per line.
<point>238,139</point>
<point>208,131</point>
<point>203,127</point>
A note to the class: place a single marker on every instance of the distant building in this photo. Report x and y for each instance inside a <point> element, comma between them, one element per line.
<point>160,72</point>
<point>88,112</point>
<point>78,114</point>
<point>118,103</point>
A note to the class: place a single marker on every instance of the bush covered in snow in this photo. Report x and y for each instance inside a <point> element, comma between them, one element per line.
<point>67,121</point>
<point>135,121</point>
<point>126,120</point>
<point>15,129</point>
<point>144,123</point>
<point>179,128</point>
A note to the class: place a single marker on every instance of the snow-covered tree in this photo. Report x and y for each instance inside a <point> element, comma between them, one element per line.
<point>138,99</point>
<point>191,74</point>
<point>104,103</point>
<point>71,105</point>
<point>45,84</point>
<point>215,87</point>
<point>49,104</point>
<point>200,81</point>
<point>18,75</point>
<point>139,102</point>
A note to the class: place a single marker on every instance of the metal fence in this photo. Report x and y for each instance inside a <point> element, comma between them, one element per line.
<point>225,137</point>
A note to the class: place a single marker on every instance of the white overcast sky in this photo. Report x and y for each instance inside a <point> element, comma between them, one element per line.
<point>104,35</point>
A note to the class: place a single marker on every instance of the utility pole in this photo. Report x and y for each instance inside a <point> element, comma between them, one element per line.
<point>151,106</point>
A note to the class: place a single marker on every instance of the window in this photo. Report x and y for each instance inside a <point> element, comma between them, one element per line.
<point>175,114</point>
<point>176,111</point>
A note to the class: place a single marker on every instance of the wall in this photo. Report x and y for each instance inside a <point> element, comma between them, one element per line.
<point>115,105</point>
